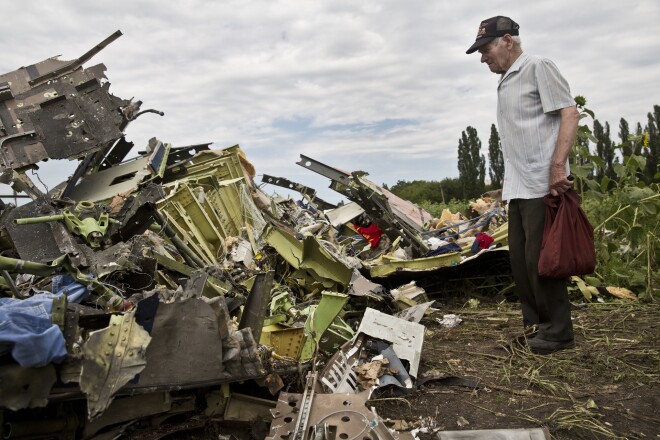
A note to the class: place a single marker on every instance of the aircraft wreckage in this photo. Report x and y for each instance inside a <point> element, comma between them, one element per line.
<point>145,288</point>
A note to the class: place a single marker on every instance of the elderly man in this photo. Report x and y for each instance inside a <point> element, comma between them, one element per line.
<point>537,120</point>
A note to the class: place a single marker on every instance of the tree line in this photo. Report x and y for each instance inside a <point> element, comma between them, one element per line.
<point>643,141</point>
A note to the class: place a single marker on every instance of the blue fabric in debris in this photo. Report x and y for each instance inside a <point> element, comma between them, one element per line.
<point>26,328</point>
<point>449,247</point>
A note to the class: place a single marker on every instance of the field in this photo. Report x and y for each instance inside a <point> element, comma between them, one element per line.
<point>607,387</point>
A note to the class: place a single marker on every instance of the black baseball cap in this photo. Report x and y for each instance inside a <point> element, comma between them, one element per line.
<point>492,28</point>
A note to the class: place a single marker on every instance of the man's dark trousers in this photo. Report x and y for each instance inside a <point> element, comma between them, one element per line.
<point>544,301</point>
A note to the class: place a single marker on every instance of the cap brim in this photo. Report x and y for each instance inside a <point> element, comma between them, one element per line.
<point>479,43</point>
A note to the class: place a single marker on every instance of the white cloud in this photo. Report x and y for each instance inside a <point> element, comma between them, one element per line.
<point>229,71</point>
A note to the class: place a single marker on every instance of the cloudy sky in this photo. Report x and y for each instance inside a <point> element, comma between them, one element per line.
<point>382,86</point>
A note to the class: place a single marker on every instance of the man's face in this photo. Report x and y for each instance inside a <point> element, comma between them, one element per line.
<point>496,55</point>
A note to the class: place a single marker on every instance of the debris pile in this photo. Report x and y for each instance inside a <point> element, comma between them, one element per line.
<point>141,288</point>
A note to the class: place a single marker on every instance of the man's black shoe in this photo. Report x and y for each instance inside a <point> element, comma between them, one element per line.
<point>527,334</point>
<point>541,346</point>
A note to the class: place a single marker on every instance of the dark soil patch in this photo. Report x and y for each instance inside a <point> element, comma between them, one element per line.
<point>604,388</point>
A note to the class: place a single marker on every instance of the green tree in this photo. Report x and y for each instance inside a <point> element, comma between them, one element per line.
<point>637,150</point>
<point>610,156</point>
<point>624,135</point>
<point>419,191</point>
<point>604,150</point>
<point>471,165</point>
<point>652,141</point>
<point>495,158</point>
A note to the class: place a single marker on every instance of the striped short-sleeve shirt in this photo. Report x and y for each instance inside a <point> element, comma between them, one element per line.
<point>529,97</point>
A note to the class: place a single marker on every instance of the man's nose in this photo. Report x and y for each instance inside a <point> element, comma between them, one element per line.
<point>482,57</point>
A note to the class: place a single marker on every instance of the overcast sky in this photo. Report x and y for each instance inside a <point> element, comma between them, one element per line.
<point>380,86</point>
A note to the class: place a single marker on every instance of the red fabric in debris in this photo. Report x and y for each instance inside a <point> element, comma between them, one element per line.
<point>484,240</point>
<point>372,233</point>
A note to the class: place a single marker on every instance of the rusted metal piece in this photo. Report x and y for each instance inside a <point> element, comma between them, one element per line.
<point>313,415</point>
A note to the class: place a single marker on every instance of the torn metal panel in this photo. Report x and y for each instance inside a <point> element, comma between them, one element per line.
<point>181,155</point>
<point>338,375</point>
<point>136,213</point>
<point>225,164</point>
<point>415,313</point>
<point>70,66</point>
<point>406,337</point>
<point>112,357</point>
<point>319,320</point>
<point>201,284</point>
<point>344,214</point>
<point>193,344</point>
<point>185,346</point>
<point>316,258</point>
<point>394,266</point>
<point>361,286</point>
<point>57,110</point>
<point>25,387</point>
<point>114,156</point>
<point>22,236</point>
<point>309,255</point>
<point>308,193</point>
<point>489,270</point>
<point>119,179</point>
<point>408,296</point>
<point>188,213</point>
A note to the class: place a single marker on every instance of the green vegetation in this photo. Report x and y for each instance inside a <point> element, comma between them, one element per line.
<point>622,201</point>
<point>454,205</point>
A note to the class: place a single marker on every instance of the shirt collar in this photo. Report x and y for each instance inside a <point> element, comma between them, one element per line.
<point>514,67</point>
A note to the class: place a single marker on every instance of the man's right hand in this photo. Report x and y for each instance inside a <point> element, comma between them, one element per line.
<point>559,182</point>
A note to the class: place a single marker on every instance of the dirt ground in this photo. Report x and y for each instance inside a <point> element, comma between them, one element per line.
<point>605,388</point>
